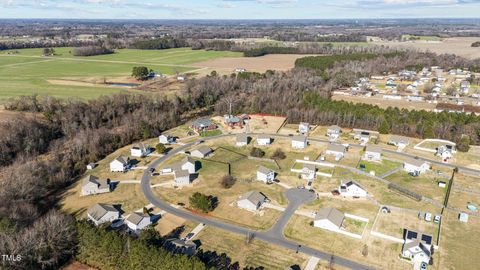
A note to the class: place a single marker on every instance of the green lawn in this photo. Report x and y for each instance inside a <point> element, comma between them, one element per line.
<point>28,72</point>
<point>379,167</point>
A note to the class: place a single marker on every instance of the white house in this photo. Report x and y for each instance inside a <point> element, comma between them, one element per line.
<point>373,153</point>
<point>338,150</point>
<point>399,141</point>
<point>138,221</point>
<point>101,213</point>
<point>242,139</point>
<point>309,171</point>
<point>93,185</point>
<point>352,189</point>
<point>140,150</point>
<point>188,164</point>
<point>303,127</point>
<point>266,175</point>
<point>445,151</point>
<point>91,166</point>
<point>417,247</point>
<point>329,219</point>
<point>415,166</point>
<point>251,200</point>
<point>263,140</point>
<point>364,135</point>
<point>182,177</point>
<point>333,132</point>
<point>166,139</point>
<point>463,217</point>
<point>201,152</point>
<point>299,142</point>
<point>120,164</point>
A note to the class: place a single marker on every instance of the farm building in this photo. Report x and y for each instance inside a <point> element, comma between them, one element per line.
<point>101,213</point>
<point>415,166</point>
<point>352,189</point>
<point>299,142</point>
<point>140,150</point>
<point>266,175</point>
<point>120,164</point>
<point>242,139</point>
<point>417,246</point>
<point>138,221</point>
<point>251,200</point>
<point>201,152</point>
<point>263,140</point>
<point>93,185</point>
<point>373,153</point>
<point>329,219</point>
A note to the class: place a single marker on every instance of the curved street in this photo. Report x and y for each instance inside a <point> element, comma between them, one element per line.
<point>275,235</point>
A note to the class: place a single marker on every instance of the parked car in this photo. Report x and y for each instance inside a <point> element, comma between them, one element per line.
<point>436,219</point>
<point>428,217</point>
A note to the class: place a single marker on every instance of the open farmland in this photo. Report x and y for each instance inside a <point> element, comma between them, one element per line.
<point>64,75</point>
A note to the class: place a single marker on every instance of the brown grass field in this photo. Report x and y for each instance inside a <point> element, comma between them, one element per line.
<point>385,103</point>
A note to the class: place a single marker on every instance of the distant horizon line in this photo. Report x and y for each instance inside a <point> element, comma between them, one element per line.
<point>198,19</point>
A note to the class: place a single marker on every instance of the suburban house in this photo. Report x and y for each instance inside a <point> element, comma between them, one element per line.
<point>263,140</point>
<point>333,132</point>
<point>399,141</point>
<point>242,139</point>
<point>120,164</point>
<point>364,135</point>
<point>140,150</point>
<point>201,152</point>
<point>179,246</point>
<point>337,150</point>
<point>188,164</point>
<point>309,171</point>
<point>415,166</point>
<point>251,200</point>
<point>203,124</point>
<point>329,219</point>
<point>233,121</point>
<point>303,127</point>
<point>138,221</point>
<point>266,175</point>
<point>445,151</point>
<point>166,139</point>
<point>101,213</point>
<point>182,177</point>
<point>352,189</point>
<point>93,185</point>
<point>417,246</point>
<point>299,142</point>
<point>373,153</point>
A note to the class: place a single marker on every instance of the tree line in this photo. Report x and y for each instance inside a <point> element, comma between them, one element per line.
<point>91,51</point>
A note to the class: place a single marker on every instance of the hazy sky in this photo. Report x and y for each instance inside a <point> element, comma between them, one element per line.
<point>239,9</point>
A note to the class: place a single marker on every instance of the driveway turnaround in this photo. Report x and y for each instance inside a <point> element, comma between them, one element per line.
<point>275,235</point>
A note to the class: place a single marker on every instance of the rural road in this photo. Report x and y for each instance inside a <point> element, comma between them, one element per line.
<point>275,234</point>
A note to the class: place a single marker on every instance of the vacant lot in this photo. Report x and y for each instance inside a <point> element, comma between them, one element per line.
<point>385,103</point>
<point>259,64</point>
<point>28,72</point>
<point>458,45</point>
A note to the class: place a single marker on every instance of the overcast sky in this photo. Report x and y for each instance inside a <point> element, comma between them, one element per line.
<point>239,9</point>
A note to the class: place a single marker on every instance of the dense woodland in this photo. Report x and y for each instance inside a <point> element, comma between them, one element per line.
<point>91,51</point>
<point>41,156</point>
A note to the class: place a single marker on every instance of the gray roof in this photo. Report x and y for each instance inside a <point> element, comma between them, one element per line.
<point>299,138</point>
<point>331,214</point>
<point>263,137</point>
<point>181,173</point>
<point>334,127</point>
<point>122,159</point>
<point>373,148</point>
<point>309,166</point>
<point>351,182</point>
<point>135,217</point>
<point>188,160</point>
<point>414,162</point>
<point>141,146</point>
<point>203,122</point>
<point>100,209</point>
<point>264,170</point>
<point>399,139</point>
<point>337,148</point>
<point>204,149</point>
<point>92,179</point>
<point>182,243</point>
<point>254,197</point>
<point>242,137</point>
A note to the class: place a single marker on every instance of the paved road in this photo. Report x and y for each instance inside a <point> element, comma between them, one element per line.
<point>270,237</point>
<point>275,234</point>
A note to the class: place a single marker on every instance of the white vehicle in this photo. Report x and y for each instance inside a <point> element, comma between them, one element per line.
<point>428,217</point>
<point>436,219</point>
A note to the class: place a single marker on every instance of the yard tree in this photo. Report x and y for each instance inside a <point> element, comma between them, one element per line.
<point>278,154</point>
<point>160,147</point>
<point>140,73</point>
<point>202,202</point>
<point>227,181</point>
<point>257,152</point>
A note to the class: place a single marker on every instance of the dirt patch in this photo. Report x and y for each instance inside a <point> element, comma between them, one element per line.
<point>259,64</point>
<point>168,223</point>
<point>74,83</point>
<point>77,266</point>
<point>458,45</point>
